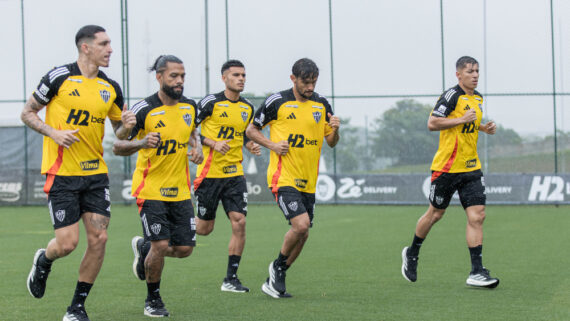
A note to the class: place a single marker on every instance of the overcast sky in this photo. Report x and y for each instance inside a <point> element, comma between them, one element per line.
<point>380,47</point>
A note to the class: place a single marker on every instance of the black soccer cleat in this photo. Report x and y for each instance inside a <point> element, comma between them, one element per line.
<point>38,277</point>
<point>409,266</point>
<point>76,313</point>
<point>233,285</point>
<point>138,263</point>
<point>482,279</point>
<point>277,278</point>
<point>155,308</point>
<point>269,290</point>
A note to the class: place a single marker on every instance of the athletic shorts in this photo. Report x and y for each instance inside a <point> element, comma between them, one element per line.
<point>172,221</point>
<point>232,191</point>
<point>294,203</point>
<point>469,185</point>
<point>71,196</point>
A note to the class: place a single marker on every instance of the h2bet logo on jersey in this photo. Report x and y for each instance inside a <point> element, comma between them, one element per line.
<point>299,141</point>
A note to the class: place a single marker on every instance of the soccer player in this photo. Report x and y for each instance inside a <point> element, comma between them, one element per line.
<point>224,118</point>
<point>79,97</point>
<point>299,118</point>
<point>165,126</point>
<point>456,167</point>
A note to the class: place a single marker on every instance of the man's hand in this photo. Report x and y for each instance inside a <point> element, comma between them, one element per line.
<point>281,148</point>
<point>470,116</point>
<point>253,148</point>
<point>128,118</point>
<point>65,138</point>
<point>196,155</point>
<point>490,128</point>
<point>334,121</point>
<point>151,140</point>
<point>222,146</point>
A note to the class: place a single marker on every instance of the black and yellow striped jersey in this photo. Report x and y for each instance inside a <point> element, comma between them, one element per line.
<point>162,173</point>
<point>457,151</point>
<point>76,102</point>
<point>222,119</point>
<point>304,125</point>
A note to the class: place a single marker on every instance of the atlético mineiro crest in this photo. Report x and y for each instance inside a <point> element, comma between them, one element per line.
<point>244,115</point>
<point>105,95</point>
<point>187,119</point>
<point>317,116</point>
<point>60,215</point>
<point>155,228</point>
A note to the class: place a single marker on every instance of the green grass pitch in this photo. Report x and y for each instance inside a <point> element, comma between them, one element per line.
<point>349,270</point>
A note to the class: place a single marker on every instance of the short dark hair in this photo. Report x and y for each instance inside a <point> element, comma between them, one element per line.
<point>305,68</point>
<point>87,32</point>
<point>160,63</point>
<point>464,61</point>
<point>231,63</point>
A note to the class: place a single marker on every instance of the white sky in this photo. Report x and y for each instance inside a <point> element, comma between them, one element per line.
<point>381,47</point>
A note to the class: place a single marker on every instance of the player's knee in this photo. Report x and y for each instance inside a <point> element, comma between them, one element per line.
<point>97,240</point>
<point>301,226</point>
<point>183,251</point>
<point>204,228</point>
<point>66,247</point>
<point>478,218</point>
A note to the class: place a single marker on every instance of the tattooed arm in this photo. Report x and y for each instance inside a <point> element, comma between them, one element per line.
<point>30,117</point>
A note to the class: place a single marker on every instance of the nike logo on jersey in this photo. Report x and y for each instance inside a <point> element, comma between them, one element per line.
<point>74,93</point>
<point>291,116</point>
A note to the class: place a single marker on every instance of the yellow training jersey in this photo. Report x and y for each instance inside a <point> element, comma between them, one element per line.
<point>303,125</point>
<point>222,119</point>
<point>162,173</point>
<point>457,152</point>
<point>75,102</point>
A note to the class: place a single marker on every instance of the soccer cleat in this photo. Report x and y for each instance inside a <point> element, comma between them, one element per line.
<point>138,263</point>
<point>155,308</point>
<point>269,290</point>
<point>409,266</point>
<point>482,279</point>
<point>37,277</point>
<point>76,313</point>
<point>233,285</point>
<point>277,278</point>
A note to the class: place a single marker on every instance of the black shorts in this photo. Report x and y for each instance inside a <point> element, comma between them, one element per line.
<point>172,221</point>
<point>470,187</point>
<point>232,191</point>
<point>71,196</point>
<point>294,203</point>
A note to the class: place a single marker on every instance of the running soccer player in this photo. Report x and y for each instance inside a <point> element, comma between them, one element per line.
<point>79,97</point>
<point>456,167</point>
<point>165,126</point>
<point>299,118</point>
<point>224,117</point>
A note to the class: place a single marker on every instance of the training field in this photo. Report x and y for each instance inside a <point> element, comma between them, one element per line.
<point>349,270</point>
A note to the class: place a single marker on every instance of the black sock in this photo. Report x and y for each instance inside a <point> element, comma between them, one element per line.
<point>153,291</point>
<point>414,249</point>
<point>233,264</point>
<point>476,258</point>
<point>44,262</point>
<point>281,262</point>
<point>81,292</point>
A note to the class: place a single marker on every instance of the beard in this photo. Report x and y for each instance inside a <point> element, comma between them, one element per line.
<point>306,94</point>
<point>170,92</point>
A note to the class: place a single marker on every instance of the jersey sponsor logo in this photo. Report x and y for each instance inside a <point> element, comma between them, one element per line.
<point>227,132</point>
<point>244,106</point>
<point>187,119</point>
<point>317,116</point>
<point>82,117</point>
<point>471,163</point>
<point>224,115</point>
<point>103,83</point>
<point>244,116</point>
<point>169,191</point>
<point>316,106</point>
<point>158,113</point>
<point>169,146</point>
<point>230,169</point>
<point>185,107</point>
<point>75,92</point>
<point>469,128</point>
<point>155,228</point>
<point>223,105</point>
<point>293,206</point>
<point>90,165</point>
<point>105,95</point>
<point>291,116</point>
<point>160,124</point>
<point>299,140</point>
<point>43,89</point>
<point>300,183</point>
<point>292,106</point>
<point>60,215</point>
<point>75,80</point>
<point>442,109</point>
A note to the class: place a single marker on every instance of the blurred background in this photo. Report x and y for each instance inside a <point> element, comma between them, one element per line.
<point>382,63</point>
